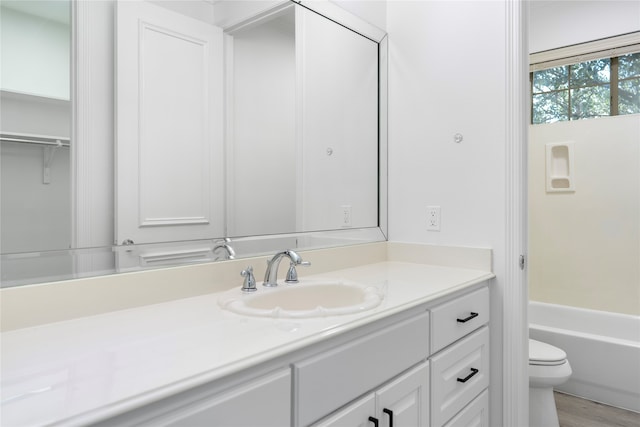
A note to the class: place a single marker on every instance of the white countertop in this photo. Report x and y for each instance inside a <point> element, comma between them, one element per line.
<point>91,368</point>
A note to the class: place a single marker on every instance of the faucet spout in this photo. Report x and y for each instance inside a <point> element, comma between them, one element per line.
<point>271,275</point>
<point>230,253</point>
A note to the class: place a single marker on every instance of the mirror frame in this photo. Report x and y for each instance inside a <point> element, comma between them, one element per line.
<point>87,261</point>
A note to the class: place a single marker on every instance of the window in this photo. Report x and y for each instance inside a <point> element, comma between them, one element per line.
<point>629,84</point>
<point>597,88</point>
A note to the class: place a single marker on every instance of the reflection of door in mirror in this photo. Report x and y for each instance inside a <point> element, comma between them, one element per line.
<point>169,176</point>
<point>35,120</point>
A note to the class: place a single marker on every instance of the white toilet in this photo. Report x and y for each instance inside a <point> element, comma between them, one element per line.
<point>548,367</point>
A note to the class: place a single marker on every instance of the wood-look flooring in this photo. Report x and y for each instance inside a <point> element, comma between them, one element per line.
<point>576,412</point>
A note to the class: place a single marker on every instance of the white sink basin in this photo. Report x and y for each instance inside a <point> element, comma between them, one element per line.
<point>304,300</point>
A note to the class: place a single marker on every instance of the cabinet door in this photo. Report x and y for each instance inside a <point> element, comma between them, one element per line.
<point>405,401</point>
<point>262,402</point>
<point>354,415</point>
<point>476,414</point>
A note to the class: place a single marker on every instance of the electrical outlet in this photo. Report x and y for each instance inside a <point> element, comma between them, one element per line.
<point>346,215</point>
<point>433,218</point>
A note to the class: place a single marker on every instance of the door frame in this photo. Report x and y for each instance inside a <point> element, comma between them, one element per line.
<point>515,325</point>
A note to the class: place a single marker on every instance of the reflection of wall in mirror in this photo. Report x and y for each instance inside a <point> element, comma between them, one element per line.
<point>34,101</point>
<point>261,179</point>
<point>339,125</point>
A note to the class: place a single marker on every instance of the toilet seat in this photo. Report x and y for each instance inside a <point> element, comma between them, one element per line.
<point>543,354</point>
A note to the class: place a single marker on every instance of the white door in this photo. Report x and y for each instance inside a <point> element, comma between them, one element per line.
<point>169,156</point>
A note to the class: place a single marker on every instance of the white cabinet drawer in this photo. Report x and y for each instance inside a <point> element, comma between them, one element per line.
<point>476,414</point>
<point>458,374</point>
<point>326,382</point>
<point>453,320</point>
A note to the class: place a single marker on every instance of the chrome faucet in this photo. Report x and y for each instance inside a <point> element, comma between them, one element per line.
<point>271,275</point>
<point>224,244</point>
<point>249,284</point>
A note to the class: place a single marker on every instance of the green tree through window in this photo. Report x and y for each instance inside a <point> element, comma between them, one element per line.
<point>629,84</point>
<point>583,90</point>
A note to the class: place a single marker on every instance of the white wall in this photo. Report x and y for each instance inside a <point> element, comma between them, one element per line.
<point>447,73</point>
<point>35,54</point>
<point>201,10</point>
<point>372,11</point>
<point>585,245</point>
<point>35,215</point>
<point>338,95</point>
<point>555,24</point>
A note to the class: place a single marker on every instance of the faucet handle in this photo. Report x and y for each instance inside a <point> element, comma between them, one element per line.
<point>249,284</point>
<point>292,274</point>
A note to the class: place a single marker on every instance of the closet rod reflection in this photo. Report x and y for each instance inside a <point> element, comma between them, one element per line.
<point>50,142</point>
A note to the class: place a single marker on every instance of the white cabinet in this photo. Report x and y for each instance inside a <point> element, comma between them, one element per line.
<point>402,402</point>
<point>460,363</point>
<point>455,319</point>
<point>264,401</point>
<point>357,414</point>
<point>476,414</point>
<point>330,379</point>
<point>431,393</point>
<point>382,374</point>
<point>458,374</point>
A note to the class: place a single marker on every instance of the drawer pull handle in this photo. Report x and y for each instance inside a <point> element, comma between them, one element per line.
<point>374,421</point>
<point>390,413</point>
<point>468,377</point>
<point>471,316</point>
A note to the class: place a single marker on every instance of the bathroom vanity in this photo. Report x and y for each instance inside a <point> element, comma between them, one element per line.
<point>421,357</point>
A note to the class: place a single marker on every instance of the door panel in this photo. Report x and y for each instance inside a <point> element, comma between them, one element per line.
<point>169,163</point>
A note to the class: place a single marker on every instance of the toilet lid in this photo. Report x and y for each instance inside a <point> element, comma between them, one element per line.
<point>541,353</point>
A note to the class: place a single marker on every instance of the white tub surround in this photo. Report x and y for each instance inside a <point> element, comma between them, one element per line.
<point>87,369</point>
<point>602,347</point>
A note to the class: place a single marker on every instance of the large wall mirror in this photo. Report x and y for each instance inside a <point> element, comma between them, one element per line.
<point>142,134</point>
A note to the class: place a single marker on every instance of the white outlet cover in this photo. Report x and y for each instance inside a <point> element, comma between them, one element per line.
<point>433,218</point>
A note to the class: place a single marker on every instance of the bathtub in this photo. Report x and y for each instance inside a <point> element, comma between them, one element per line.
<point>603,349</point>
